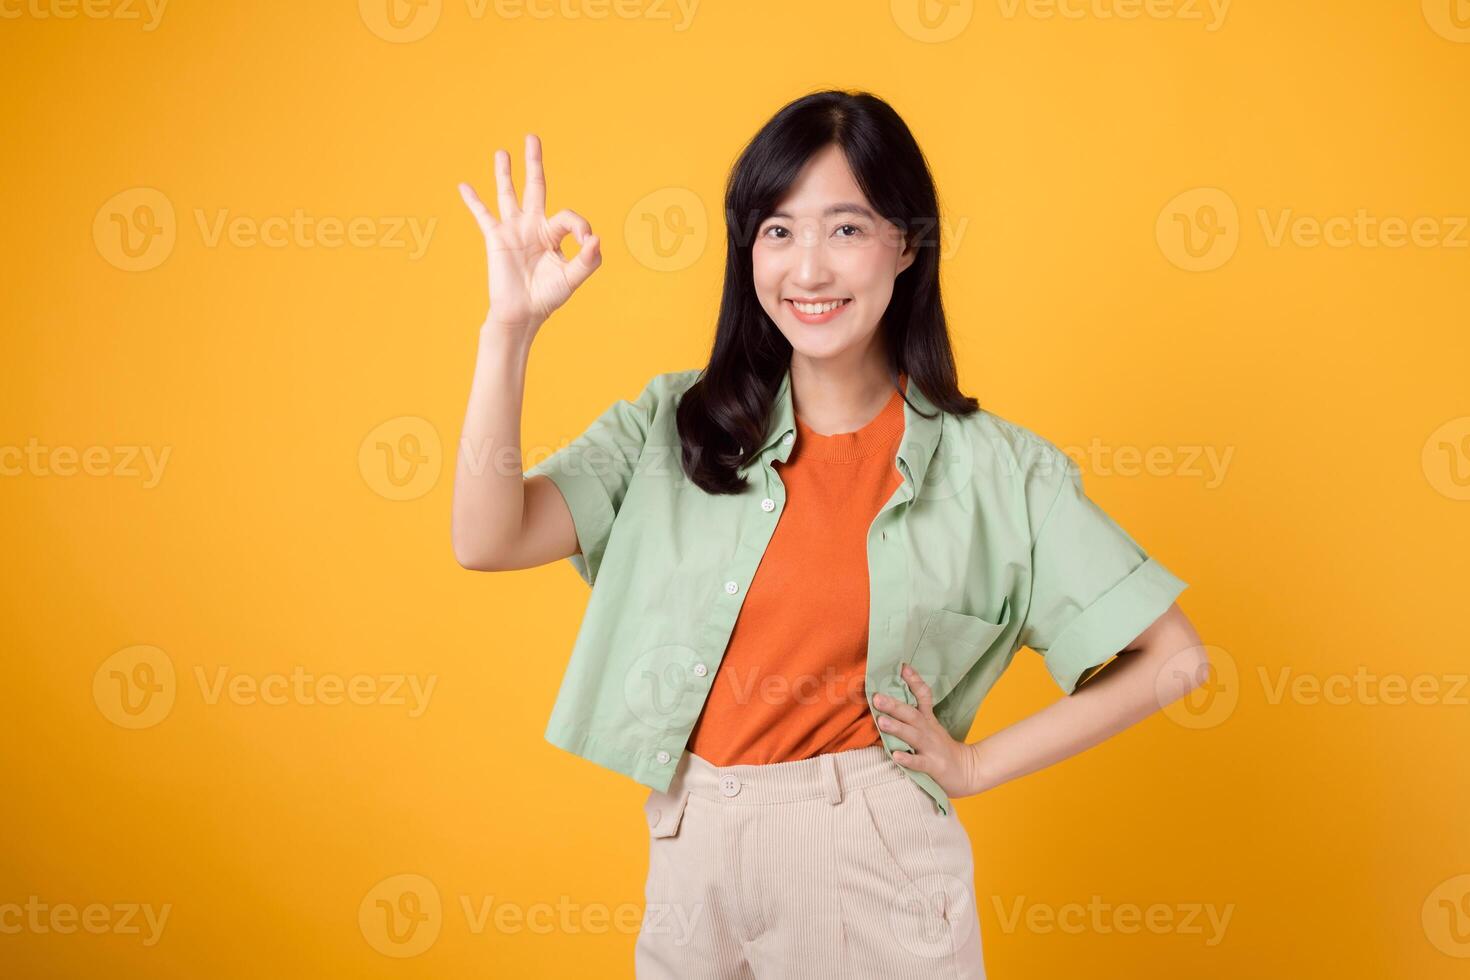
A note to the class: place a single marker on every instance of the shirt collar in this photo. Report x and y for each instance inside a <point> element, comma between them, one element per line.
<point>915,449</point>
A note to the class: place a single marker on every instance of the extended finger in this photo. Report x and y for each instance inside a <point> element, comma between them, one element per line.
<point>898,709</point>
<point>505,187</point>
<point>922,691</point>
<point>535,197</point>
<point>482,214</point>
<point>918,763</point>
<point>903,730</point>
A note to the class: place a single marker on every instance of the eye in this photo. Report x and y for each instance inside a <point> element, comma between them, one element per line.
<point>856,231</point>
<point>771,228</point>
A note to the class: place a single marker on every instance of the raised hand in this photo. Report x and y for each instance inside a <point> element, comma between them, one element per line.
<point>529,276</point>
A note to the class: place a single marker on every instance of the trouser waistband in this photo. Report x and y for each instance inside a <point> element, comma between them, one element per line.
<point>827,775</point>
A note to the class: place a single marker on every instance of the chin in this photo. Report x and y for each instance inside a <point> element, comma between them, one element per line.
<point>809,343</point>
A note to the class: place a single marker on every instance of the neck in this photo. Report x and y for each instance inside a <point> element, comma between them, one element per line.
<point>832,398</point>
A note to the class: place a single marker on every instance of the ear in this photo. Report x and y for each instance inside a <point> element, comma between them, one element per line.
<point>907,256</point>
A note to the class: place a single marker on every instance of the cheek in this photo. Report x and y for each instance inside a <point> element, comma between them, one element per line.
<point>767,273</point>
<point>869,272</point>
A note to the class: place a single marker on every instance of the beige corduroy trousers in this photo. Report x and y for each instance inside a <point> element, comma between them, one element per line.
<point>838,866</point>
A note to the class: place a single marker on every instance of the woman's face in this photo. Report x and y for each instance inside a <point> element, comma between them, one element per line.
<point>825,244</point>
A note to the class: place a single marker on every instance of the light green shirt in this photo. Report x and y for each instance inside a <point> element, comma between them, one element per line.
<point>988,544</point>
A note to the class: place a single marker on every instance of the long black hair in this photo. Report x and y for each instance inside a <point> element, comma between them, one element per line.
<point>723,416</point>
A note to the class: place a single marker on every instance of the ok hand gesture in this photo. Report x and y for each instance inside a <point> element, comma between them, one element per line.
<point>529,276</point>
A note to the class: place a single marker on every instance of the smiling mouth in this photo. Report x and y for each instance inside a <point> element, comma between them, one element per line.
<point>816,310</point>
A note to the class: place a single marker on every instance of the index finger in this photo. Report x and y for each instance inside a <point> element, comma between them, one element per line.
<point>535,196</point>
<point>921,689</point>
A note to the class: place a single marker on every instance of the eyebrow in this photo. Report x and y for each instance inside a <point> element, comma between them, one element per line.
<point>845,207</point>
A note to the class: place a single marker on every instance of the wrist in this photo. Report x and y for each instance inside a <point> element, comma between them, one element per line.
<point>514,339</point>
<point>978,776</point>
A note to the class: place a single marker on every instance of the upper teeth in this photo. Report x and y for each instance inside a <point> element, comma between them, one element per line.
<point>812,308</point>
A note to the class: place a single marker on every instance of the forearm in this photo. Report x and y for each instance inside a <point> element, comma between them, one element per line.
<point>1158,668</point>
<point>529,280</point>
<point>489,499</point>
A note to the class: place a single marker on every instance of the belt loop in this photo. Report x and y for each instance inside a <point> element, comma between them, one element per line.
<point>829,778</point>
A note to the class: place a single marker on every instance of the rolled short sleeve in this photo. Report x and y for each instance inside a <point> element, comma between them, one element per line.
<point>1093,589</point>
<point>593,473</point>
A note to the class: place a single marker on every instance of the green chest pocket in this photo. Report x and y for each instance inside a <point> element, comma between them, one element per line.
<point>950,645</point>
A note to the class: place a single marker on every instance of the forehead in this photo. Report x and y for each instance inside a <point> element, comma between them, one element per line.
<point>825,179</point>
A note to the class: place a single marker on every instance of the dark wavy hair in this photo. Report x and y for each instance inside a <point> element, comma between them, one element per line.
<point>724,415</point>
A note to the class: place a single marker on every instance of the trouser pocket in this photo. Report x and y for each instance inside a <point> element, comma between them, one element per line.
<point>912,867</point>
<point>665,811</point>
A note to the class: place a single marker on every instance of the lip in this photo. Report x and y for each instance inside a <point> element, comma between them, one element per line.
<point>821,317</point>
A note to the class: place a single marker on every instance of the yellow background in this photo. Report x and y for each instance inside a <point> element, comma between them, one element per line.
<point>1333,545</point>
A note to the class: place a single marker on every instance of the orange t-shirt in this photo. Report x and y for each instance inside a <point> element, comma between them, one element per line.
<point>792,683</point>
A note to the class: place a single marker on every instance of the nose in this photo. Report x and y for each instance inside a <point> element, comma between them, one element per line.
<point>812,268</point>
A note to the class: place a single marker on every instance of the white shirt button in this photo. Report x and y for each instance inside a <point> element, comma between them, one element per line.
<point>663,757</point>
<point>729,785</point>
<point>731,588</point>
<point>700,670</point>
<point>768,505</point>
<point>789,438</point>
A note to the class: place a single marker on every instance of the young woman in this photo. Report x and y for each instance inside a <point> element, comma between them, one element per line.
<point>810,560</point>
